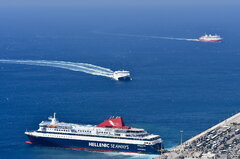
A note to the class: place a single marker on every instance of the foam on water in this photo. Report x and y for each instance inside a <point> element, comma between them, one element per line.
<point>130,155</point>
<point>73,66</point>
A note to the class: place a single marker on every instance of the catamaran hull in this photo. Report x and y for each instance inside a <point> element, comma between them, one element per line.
<point>124,79</point>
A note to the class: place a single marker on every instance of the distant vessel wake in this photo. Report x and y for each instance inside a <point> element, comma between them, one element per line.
<point>179,39</point>
<point>73,66</point>
<point>148,36</point>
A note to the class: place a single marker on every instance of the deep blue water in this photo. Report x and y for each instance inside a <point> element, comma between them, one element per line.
<point>177,85</point>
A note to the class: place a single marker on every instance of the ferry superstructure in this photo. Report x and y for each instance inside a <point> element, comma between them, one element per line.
<point>210,38</point>
<point>111,135</point>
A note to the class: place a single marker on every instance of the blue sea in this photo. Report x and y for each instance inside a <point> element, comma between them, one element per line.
<point>177,84</point>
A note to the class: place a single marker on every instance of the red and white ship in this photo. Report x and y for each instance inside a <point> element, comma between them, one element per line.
<point>210,38</point>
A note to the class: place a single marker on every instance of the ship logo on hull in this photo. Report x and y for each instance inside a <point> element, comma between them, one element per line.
<point>106,145</point>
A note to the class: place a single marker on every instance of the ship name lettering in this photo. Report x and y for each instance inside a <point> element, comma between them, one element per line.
<point>94,144</point>
<point>114,146</point>
<point>117,146</point>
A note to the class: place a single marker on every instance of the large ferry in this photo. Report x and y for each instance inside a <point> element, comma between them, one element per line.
<point>210,38</point>
<point>110,135</point>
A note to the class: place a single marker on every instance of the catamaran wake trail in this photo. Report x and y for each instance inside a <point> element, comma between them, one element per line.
<point>73,66</point>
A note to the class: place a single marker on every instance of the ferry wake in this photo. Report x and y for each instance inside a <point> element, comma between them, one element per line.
<point>111,135</point>
<point>204,38</point>
<point>74,66</point>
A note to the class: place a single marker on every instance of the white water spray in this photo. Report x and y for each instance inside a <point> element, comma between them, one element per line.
<point>73,66</point>
<point>130,155</point>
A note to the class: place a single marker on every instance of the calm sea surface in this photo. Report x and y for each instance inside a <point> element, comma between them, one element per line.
<point>177,84</point>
